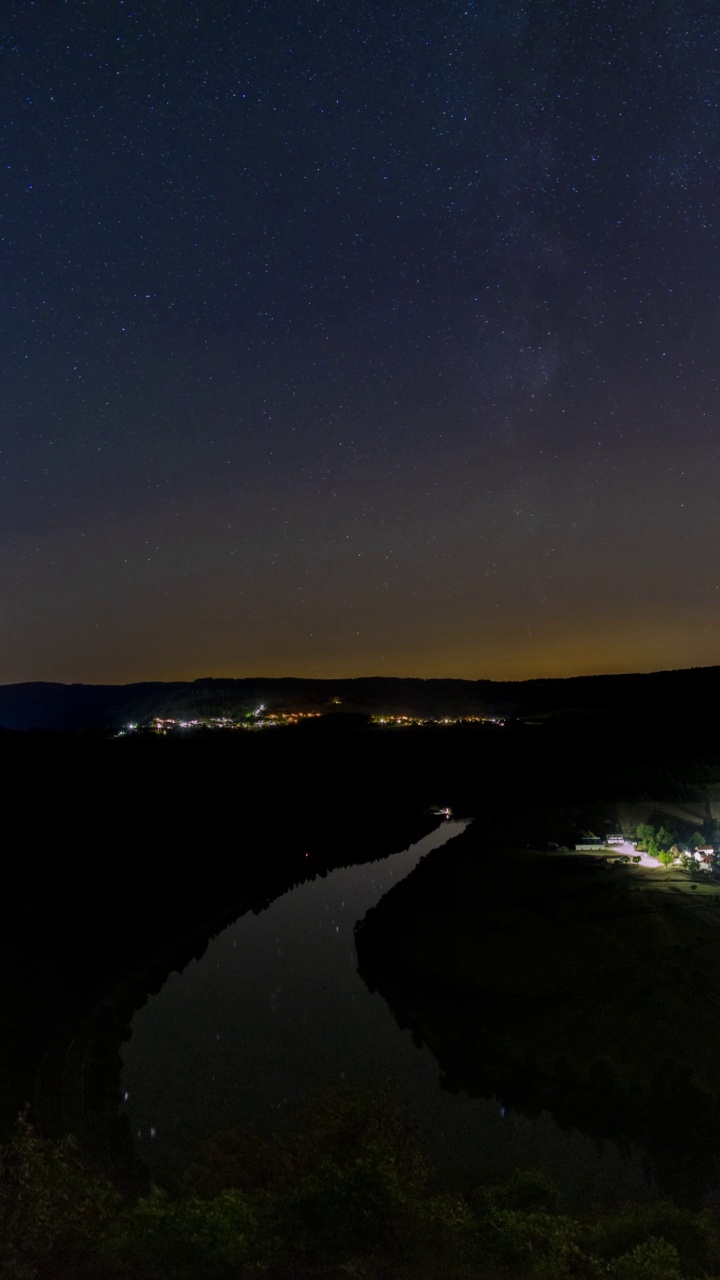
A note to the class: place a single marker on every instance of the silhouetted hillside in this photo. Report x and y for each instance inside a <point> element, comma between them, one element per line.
<point>674,695</point>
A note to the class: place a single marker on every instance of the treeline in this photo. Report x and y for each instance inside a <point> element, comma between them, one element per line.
<point>348,1194</point>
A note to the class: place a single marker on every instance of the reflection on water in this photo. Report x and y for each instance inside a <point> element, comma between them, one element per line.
<point>275,1013</point>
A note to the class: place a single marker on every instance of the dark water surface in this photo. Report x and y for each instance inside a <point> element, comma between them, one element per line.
<point>275,1014</point>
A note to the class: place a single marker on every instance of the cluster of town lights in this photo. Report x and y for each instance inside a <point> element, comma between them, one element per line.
<point>424,720</point>
<point>254,720</point>
<point>262,719</point>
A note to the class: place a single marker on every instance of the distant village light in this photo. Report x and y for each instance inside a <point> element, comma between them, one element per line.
<point>254,720</point>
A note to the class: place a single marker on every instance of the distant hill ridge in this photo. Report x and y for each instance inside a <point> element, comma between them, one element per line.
<point>74,707</point>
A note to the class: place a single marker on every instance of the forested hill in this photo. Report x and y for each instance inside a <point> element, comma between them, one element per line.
<point>682,696</point>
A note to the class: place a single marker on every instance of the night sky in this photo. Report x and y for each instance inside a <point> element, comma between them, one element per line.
<point>352,338</point>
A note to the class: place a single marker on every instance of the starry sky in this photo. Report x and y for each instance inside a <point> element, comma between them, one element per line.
<point>359,338</point>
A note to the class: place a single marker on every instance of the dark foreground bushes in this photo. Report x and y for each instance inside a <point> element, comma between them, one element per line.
<point>348,1195</point>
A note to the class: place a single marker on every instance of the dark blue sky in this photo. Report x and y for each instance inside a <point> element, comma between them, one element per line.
<point>353,338</point>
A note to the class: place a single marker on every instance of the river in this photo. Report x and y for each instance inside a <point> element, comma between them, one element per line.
<point>275,1013</point>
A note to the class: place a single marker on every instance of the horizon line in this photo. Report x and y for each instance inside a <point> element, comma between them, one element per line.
<point>595,675</point>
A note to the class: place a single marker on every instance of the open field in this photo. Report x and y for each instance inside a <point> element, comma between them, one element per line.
<point>558,980</point>
<point>594,952</point>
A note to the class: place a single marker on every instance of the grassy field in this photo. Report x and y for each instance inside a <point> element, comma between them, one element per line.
<point>558,980</point>
<point>599,950</point>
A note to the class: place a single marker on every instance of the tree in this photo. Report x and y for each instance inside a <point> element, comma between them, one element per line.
<point>51,1207</point>
<point>652,1260</point>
